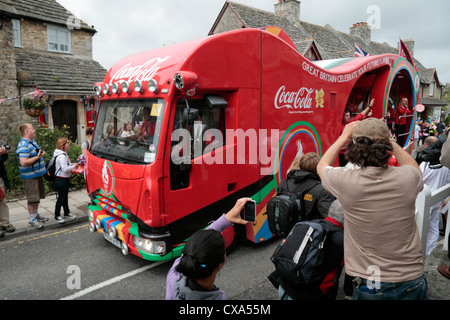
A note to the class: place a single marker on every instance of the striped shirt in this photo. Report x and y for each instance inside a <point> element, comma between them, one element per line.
<point>29,149</point>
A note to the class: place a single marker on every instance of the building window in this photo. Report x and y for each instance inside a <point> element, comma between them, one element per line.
<point>432,89</point>
<point>58,39</point>
<point>16,32</point>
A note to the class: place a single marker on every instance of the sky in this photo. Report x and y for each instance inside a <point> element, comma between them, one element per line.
<point>131,26</point>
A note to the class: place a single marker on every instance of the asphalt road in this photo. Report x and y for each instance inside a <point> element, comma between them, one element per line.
<point>72,263</point>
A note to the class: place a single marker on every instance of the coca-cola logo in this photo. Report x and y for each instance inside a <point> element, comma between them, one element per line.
<point>108,179</point>
<point>300,99</point>
<point>143,72</point>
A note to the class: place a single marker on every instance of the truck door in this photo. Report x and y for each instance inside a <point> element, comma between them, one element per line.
<point>199,186</point>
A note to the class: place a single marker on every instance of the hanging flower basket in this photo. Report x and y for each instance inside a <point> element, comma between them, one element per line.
<point>34,107</point>
<point>35,112</point>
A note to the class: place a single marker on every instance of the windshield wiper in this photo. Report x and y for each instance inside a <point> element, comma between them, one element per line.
<point>117,158</point>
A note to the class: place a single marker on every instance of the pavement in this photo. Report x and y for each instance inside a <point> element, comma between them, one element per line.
<point>438,285</point>
<point>19,217</point>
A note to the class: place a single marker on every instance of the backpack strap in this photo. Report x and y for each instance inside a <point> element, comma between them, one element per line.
<point>283,187</point>
<point>55,164</point>
<point>304,188</point>
<point>35,147</point>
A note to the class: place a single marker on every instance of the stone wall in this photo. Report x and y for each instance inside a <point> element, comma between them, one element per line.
<point>362,30</point>
<point>289,9</point>
<point>228,22</point>
<point>34,36</point>
<point>9,109</point>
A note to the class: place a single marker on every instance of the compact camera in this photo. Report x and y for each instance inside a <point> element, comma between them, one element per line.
<point>250,211</point>
<point>6,146</point>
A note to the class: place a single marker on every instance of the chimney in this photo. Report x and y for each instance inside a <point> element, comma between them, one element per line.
<point>362,30</point>
<point>409,43</point>
<point>289,9</point>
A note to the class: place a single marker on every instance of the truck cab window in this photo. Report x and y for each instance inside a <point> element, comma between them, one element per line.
<point>200,130</point>
<point>127,131</point>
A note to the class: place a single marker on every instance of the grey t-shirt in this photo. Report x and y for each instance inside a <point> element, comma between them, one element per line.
<point>380,232</point>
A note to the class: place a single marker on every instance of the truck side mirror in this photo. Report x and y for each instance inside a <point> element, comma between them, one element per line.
<point>216,102</point>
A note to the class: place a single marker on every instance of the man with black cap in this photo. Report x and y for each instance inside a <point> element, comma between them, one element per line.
<point>382,247</point>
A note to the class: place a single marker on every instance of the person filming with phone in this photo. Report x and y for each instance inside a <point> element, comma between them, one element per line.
<point>192,276</point>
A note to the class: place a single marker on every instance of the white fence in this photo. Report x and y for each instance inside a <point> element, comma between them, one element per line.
<point>425,200</point>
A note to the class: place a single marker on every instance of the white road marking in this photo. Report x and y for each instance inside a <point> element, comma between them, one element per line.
<point>111,281</point>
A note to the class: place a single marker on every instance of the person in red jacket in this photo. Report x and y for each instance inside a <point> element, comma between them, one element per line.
<point>402,111</point>
<point>390,117</point>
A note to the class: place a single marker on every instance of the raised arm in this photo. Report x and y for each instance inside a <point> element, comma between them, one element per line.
<point>330,155</point>
<point>403,157</point>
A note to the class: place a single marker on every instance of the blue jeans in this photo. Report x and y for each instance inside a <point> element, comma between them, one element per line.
<point>408,290</point>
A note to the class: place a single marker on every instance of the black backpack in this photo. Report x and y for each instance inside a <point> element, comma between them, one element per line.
<point>286,208</point>
<point>51,168</point>
<point>300,259</point>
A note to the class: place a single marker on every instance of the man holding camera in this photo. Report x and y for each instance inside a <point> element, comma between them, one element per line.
<point>4,210</point>
<point>32,168</point>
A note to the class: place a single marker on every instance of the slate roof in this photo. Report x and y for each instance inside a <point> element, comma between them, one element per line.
<point>256,18</point>
<point>331,43</point>
<point>59,74</point>
<point>428,75</point>
<point>42,10</point>
<point>430,101</point>
<point>52,72</point>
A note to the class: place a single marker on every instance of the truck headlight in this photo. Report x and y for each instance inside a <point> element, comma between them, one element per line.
<point>150,246</point>
<point>98,224</point>
<point>152,85</point>
<point>138,86</point>
<point>125,87</point>
<point>98,90</point>
<point>115,88</point>
<point>106,89</point>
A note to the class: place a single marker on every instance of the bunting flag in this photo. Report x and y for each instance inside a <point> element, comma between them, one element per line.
<point>360,52</point>
<point>33,94</point>
<point>404,52</point>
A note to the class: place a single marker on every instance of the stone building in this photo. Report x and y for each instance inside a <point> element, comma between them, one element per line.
<point>324,42</point>
<point>431,94</point>
<point>44,46</point>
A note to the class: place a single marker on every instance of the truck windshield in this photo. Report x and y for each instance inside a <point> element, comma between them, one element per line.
<point>128,131</point>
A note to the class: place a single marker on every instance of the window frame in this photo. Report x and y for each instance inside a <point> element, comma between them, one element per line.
<point>16,33</point>
<point>60,41</point>
<point>432,87</point>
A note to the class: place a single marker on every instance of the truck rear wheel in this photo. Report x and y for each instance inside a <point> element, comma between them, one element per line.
<point>232,236</point>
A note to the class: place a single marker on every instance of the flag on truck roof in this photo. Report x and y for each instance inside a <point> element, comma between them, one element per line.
<point>360,52</point>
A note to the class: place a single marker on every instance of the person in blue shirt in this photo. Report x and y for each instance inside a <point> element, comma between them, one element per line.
<point>32,168</point>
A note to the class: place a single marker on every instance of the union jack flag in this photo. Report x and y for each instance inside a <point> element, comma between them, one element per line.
<point>360,52</point>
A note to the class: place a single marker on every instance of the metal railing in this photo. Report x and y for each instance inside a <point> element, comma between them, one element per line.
<point>407,116</point>
<point>425,200</point>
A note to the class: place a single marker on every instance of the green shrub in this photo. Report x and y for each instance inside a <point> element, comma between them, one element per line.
<point>46,139</point>
<point>34,103</point>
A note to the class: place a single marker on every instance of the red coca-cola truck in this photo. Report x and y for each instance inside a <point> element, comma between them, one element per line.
<point>183,131</point>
